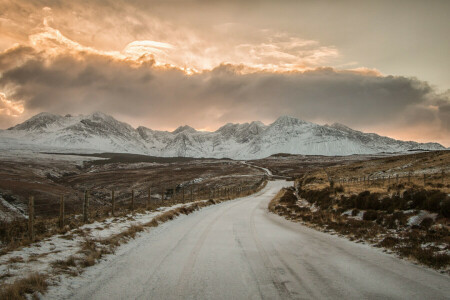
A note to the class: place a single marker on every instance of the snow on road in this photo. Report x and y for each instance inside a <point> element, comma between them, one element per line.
<point>237,250</point>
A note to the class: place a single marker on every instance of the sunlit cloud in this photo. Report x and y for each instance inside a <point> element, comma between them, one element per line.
<point>10,108</point>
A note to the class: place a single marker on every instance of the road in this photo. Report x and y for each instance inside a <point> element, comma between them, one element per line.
<point>237,250</point>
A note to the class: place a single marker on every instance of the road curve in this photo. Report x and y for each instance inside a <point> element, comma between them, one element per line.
<point>237,250</point>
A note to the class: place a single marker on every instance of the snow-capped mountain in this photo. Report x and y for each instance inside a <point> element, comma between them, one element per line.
<point>100,132</point>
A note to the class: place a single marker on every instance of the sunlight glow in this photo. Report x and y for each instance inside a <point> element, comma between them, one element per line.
<point>10,108</point>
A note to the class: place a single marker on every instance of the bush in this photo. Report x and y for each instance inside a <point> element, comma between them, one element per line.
<point>339,189</point>
<point>434,200</point>
<point>426,223</point>
<point>321,198</point>
<point>288,197</point>
<point>370,215</point>
<point>445,208</point>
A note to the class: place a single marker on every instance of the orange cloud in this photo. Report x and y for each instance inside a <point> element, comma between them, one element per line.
<point>10,108</point>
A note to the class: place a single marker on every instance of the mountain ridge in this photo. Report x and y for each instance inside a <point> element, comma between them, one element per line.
<point>102,132</point>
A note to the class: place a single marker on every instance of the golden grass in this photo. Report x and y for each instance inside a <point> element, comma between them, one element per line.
<point>20,288</point>
<point>276,200</point>
<point>430,163</point>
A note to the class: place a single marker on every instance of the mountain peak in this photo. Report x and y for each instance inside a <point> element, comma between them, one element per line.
<point>287,121</point>
<point>185,128</point>
<point>37,122</point>
<point>340,127</point>
<point>99,115</point>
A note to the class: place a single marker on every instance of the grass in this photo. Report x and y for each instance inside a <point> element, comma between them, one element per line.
<point>34,283</point>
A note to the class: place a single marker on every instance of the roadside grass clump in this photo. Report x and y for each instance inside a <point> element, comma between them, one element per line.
<point>64,264</point>
<point>389,242</point>
<point>288,197</point>
<point>321,197</point>
<point>273,204</point>
<point>339,189</point>
<point>32,284</point>
<point>425,256</point>
<point>15,259</point>
<point>370,215</point>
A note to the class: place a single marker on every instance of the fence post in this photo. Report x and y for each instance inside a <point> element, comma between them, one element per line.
<point>86,207</point>
<point>174,195</point>
<point>132,200</point>
<point>396,179</point>
<point>61,212</point>
<point>183,193</point>
<point>163,191</point>
<point>149,197</point>
<point>113,203</point>
<point>443,175</point>
<point>192,195</point>
<point>31,218</point>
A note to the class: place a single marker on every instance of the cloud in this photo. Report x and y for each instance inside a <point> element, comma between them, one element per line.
<point>10,108</point>
<point>150,72</point>
<point>165,97</point>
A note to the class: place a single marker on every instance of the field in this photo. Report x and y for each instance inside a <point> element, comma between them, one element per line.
<point>49,176</point>
<point>294,166</point>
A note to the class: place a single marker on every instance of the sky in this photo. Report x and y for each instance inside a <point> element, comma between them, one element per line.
<point>376,66</point>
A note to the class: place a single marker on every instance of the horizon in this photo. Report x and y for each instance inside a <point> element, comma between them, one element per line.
<point>383,68</point>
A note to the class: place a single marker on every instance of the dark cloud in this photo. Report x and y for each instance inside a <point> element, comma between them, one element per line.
<point>167,97</point>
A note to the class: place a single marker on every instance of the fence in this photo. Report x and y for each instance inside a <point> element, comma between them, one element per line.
<point>82,212</point>
<point>409,178</point>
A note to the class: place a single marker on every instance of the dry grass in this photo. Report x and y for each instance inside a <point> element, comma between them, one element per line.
<point>15,259</point>
<point>384,222</point>
<point>65,264</point>
<point>275,200</point>
<point>34,283</point>
<point>430,163</point>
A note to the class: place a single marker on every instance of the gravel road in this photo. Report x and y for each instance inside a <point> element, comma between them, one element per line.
<point>237,250</point>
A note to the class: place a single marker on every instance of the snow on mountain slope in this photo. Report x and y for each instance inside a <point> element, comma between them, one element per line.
<point>100,132</point>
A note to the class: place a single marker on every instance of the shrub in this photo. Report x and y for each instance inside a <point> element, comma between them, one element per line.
<point>321,198</point>
<point>445,208</point>
<point>370,215</point>
<point>434,199</point>
<point>389,242</point>
<point>426,223</point>
<point>288,197</point>
<point>339,189</point>
<point>33,283</point>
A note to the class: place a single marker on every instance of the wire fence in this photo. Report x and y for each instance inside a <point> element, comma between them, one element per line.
<point>438,179</point>
<point>71,211</point>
